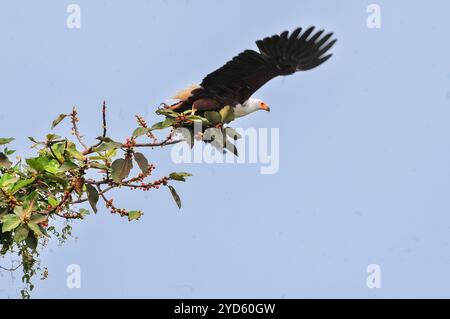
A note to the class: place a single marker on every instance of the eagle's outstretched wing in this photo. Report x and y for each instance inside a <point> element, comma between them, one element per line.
<point>282,54</point>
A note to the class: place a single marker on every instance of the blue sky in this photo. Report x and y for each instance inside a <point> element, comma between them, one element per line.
<point>364,172</point>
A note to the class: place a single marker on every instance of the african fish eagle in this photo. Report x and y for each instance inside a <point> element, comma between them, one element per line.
<point>234,83</point>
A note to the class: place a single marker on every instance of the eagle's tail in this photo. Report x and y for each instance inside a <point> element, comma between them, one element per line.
<point>297,51</point>
<point>183,95</point>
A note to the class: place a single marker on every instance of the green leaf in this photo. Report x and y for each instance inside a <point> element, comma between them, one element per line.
<point>4,161</point>
<point>120,169</point>
<point>141,131</point>
<point>67,166</point>
<point>97,158</point>
<point>38,218</point>
<point>107,146</point>
<point>105,139</point>
<point>30,199</point>
<point>57,148</point>
<point>36,229</point>
<point>179,176</point>
<point>134,215</point>
<point>204,121</point>
<point>73,152</point>
<point>165,124</point>
<point>117,169</point>
<point>52,137</point>
<point>83,212</point>
<point>195,118</point>
<point>128,165</point>
<point>38,163</point>
<point>21,184</point>
<point>167,112</point>
<point>7,179</point>
<point>98,165</point>
<point>142,162</point>
<point>19,211</point>
<point>34,140</point>
<point>53,201</point>
<point>157,126</point>
<point>175,196</point>
<point>52,166</point>
<point>25,211</point>
<point>31,241</point>
<point>227,114</point>
<point>21,233</point>
<point>42,163</point>
<point>111,153</point>
<point>213,117</point>
<point>10,222</point>
<point>58,120</point>
<point>3,211</point>
<point>35,163</point>
<point>169,122</point>
<point>8,151</point>
<point>93,196</point>
<point>4,141</point>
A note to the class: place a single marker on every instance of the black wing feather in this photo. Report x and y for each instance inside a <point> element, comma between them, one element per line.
<point>282,54</point>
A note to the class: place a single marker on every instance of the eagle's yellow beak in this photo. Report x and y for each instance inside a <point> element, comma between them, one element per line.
<point>264,106</point>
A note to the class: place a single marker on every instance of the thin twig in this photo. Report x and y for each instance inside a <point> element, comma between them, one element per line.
<point>104,119</point>
<point>12,268</point>
<point>73,115</point>
<point>79,201</point>
<point>89,150</point>
<point>163,143</point>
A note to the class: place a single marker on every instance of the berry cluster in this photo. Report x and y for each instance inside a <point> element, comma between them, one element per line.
<point>114,210</point>
<point>143,123</point>
<point>129,143</point>
<point>156,184</point>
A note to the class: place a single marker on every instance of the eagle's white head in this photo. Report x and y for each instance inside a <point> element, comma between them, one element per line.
<point>250,106</point>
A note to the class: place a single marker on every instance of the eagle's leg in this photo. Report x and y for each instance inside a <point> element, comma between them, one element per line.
<point>173,107</point>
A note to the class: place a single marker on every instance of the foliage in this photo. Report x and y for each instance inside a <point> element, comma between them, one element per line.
<point>208,126</point>
<point>67,175</point>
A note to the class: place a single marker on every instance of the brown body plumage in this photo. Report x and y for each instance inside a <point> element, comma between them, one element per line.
<point>235,82</point>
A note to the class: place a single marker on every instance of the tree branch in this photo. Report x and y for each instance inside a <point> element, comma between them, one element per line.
<point>75,120</point>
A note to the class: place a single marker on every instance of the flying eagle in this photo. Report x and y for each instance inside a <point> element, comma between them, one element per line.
<point>235,82</point>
